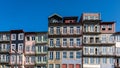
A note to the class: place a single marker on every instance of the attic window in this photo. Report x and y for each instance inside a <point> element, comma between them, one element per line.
<point>103,27</point>
<point>55,21</point>
<point>110,27</point>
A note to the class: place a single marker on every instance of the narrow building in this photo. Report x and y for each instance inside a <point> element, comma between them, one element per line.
<point>65,42</point>
<point>4,49</point>
<point>98,42</point>
<point>16,48</point>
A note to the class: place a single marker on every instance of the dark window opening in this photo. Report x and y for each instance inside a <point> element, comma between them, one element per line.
<point>28,38</point>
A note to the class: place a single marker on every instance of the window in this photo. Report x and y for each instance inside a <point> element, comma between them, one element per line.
<point>110,49</point>
<point>111,60</point>
<point>8,37</point>
<point>71,54</point>
<point>58,55</point>
<point>44,48</point>
<point>51,30</point>
<point>20,47</point>
<point>85,39</point>
<point>27,59</point>
<point>21,36</point>
<point>39,58</point>
<point>50,65</point>
<point>86,50</point>
<point>91,28</point>
<point>33,38</point>
<point>103,38</point>
<point>4,46</point>
<point>32,59</point>
<point>91,60</point>
<point>118,50</point>
<point>85,60</point>
<point>27,48</point>
<point>64,54</point>
<point>13,36</point>
<point>91,40</point>
<point>14,46</point>
<point>104,50</point>
<point>44,67</point>
<point>104,60</point>
<point>44,59</point>
<point>39,38</point>
<point>78,55</point>
<point>51,55</point>
<point>86,28</point>
<point>71,30</point>
<point>64,42</point>
<point>103,27</point>
<point>39,48</point>
<point>57,66</point>
<point>110,27</point>
<point>91,50</point>
<point>71,42</point>
<point>20,58</point>
<point>64,30</point>
<point>58,42</point>
<point>13,58</point>
<point>28,38</point>
<point>33,48</point>
<point>1,37</point>
<point>111,38</point>
<point>78,30</point>
<point>58,30</point>
<point>97,60</point>
<point>45,37</point>
<point>78,42</point>
<point>51,42</point>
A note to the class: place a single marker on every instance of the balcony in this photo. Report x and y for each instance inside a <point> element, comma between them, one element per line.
<point>4,61</point>
<point>30,53</point>
<point>41,63</point>
<point>63,24</point>
<point>4,51</point>
<point>41,53</point>
<point>29,63</point>
<point>98,42</point>
<point>67,47</point>
<point>67,34</point>
<point>5,40</point>
<point>99,54</point>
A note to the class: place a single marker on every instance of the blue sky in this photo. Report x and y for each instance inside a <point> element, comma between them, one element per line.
<point>32,15</point>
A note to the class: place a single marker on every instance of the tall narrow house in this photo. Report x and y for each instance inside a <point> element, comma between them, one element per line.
<point>16,48</point>
<point>98,42</point>
<point>65,40</point>
<point>4,49</point>
<point>41,50</point>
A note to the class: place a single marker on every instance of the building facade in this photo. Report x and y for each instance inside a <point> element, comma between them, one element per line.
<point>70,42</point>
<point>65,42</point>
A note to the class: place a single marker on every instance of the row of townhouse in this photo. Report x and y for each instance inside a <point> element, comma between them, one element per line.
<point>69,43</point>
<point>19,49</point>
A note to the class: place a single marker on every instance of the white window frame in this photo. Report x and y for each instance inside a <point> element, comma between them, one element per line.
<point>13,47</point>
<point>71,42</point>
<point>19,48</point>
<point>64,42</point>
<point>51,42</point>
<point>65,30</point>
<point>19,36</point>
<point>12,37</point>
<point>78,30</point>
<point>64,55</point>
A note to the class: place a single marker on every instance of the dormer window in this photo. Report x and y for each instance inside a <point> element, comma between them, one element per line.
<point>110,27</point>
<point>103,27</point>
<point>55,21</point>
